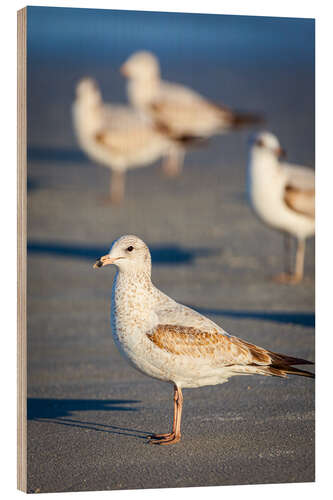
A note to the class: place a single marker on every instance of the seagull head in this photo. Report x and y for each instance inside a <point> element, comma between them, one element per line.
<point>267,142</point>
<point>141,66</point>
<point>87,91</point>
<point>129,253</point>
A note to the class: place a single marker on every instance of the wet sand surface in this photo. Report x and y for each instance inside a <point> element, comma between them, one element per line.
<point>89,412</point>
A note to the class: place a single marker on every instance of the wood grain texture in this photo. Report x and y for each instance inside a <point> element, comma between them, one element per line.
<point>21,251</point>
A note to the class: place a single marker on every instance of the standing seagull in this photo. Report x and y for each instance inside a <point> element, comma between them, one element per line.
<point>178,111</point>
<point>283,195</point>
<point>173,343</point>
<point>114,135</point>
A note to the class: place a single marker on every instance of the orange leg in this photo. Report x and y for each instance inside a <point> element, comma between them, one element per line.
<point>297,276</point>
<point>117,187</point>
<point>173,436</point>
<point>173,164</point>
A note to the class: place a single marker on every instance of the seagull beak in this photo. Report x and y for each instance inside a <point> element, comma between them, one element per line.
<point>124,71</point>
<point>106,260</point>
<point>281,153</point>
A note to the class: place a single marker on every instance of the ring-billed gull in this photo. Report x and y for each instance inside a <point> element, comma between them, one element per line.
<point>177,110</point>
<point>283,195</point>
<point>114,135</point>
<point>173,343</point>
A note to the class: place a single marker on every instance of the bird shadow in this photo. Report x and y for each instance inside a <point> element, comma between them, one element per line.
<point>54,408</point>
<point>305,319</point>
<point>160,254</point>
<point>32,184</point>
<point>59,411</point>
<point>55,155</point>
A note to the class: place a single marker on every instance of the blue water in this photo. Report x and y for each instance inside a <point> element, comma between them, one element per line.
<point>68,34</point>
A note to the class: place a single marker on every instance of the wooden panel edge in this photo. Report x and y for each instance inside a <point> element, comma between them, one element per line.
<point>21,250</point>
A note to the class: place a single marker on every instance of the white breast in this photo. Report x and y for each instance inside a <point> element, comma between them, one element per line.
<point>132,316</point>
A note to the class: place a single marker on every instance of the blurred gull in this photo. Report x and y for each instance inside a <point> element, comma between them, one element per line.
<point>176,110</point>
<point>114,135</point>
<point>173,343</point>
<point>283,195</point>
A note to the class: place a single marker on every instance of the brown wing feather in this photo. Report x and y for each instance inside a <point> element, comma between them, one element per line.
<point>229,351</point>
<point>190,341</point>
<point>300,201</point>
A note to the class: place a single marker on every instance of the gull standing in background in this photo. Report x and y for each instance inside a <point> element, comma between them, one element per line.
<point>177,111</point>
<point>114,136</point>
<point>173,343</point>
<point>282,195</point>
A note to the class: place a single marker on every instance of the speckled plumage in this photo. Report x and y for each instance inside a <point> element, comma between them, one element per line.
<point>173,343</point>
<point>167,340</point>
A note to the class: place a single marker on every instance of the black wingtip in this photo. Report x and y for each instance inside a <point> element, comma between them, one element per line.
<point>303,373</point>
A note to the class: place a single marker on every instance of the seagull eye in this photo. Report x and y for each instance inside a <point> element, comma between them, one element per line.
<point>129,249</point>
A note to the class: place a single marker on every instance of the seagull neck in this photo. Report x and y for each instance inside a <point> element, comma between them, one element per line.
<point>139,277</point>
<point>142,92</point>
<point>262,160</point>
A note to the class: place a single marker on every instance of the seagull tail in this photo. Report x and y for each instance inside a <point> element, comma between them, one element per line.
<point>282,365</point>
<point>288,370</point>
<point>273,363</point>
<point>239,120</point>
<point>191,140</point>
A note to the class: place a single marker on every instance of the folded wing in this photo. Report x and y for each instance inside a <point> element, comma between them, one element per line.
<point>223,350</point>
<point>299,193</point>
